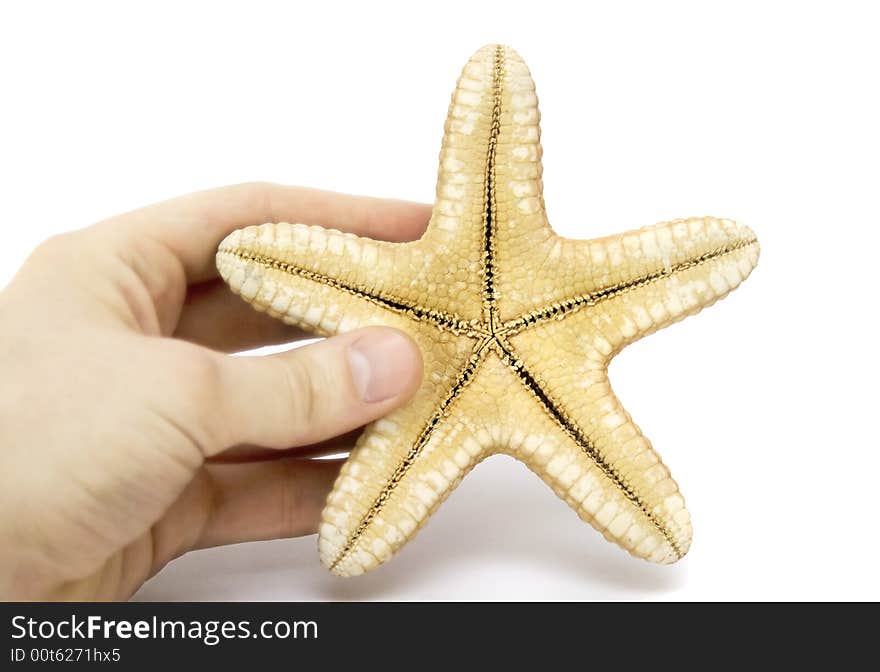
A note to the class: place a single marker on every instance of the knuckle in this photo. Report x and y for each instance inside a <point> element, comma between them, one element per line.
<point>304,389</point>
<point>201,369</point>
<point>57,248</point>
<point>199,373</point>
<point>203,376</point>
<point>259,196</point>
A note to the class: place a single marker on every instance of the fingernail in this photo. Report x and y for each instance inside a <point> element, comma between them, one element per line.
<point>381,365</point>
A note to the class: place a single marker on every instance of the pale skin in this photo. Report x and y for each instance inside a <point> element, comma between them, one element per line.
<point>128,435</point>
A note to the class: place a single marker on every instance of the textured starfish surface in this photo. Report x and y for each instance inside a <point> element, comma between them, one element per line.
<point>516,324</point>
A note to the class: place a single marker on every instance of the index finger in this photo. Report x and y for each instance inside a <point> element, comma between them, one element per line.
<point>192,226</point>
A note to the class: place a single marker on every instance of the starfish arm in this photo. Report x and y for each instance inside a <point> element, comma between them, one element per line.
<point>457,220</point>
<point>646,278</point>
<point>489,206</point>
<point>328,281</point>
<point>599,461</point>
<point>519,230</point>
<point>402,468</point>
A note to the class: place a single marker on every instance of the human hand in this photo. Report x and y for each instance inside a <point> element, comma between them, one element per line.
<point>127,437</point>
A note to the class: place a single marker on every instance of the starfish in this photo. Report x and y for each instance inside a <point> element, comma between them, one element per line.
<point>516,324</point>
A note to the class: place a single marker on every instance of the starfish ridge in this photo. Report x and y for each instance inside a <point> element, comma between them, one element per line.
<point>517,326</point>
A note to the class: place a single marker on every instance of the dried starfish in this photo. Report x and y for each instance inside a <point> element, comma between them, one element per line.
<point>517,327</point>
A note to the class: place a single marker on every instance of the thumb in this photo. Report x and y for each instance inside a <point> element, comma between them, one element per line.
<point>318,391</point>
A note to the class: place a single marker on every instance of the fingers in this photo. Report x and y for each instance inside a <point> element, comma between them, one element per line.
<point>218,319</point>
<point>312,393</point>
<point>266,500</point>
<point>192,226</point>
<point>229,504</point>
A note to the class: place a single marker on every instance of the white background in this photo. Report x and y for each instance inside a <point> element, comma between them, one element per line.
<point>764,406</point>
